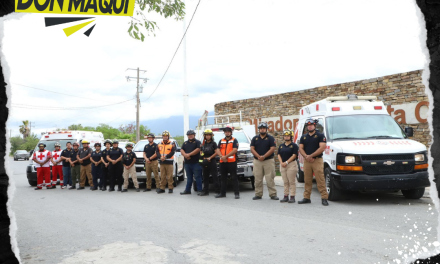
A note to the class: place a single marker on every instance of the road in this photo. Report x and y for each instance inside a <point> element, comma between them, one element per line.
<point>71,226</point>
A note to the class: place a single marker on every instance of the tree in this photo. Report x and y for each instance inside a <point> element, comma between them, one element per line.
<point>24,129</point>
<point>166,8</point>
<point>75,127</point>
<point>179,139</point>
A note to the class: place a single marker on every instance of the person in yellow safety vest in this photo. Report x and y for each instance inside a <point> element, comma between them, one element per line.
<point>165,152</point>
<point>227,149</point>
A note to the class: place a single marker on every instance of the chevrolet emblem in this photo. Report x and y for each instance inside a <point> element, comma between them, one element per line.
<point>389,162</point>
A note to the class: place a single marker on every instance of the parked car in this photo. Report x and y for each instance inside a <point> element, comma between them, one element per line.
<point>21,154</point>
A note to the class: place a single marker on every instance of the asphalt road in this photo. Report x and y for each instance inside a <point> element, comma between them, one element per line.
<point>71,226</point>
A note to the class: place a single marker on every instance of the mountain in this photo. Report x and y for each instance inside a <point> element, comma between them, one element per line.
<point>173,124</point>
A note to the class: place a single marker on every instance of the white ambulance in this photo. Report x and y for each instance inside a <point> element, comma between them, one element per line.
<point>366,148</point>
<point>62,137</point>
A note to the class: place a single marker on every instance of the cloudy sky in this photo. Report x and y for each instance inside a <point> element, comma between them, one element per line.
<point>235,50</point>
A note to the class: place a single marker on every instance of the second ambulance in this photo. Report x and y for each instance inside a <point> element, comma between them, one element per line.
<point>366,148</point>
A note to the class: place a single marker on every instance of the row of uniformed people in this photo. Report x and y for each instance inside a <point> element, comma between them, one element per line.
<point>200,160</point>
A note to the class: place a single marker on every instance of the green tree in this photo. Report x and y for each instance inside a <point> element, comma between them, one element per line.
<point>16,142</point>
<point>75,127</point>
<point>179,139</point>
<point>166,8</point>
<point>30,142</point>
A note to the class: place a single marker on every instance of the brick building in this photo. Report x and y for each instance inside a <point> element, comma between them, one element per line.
<point>403,94</point>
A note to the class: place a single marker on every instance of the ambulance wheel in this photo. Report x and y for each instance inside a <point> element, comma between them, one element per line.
<point>413,193</point>
<point>300,174</point>
<point>334,193</point>
<point>32,183</point>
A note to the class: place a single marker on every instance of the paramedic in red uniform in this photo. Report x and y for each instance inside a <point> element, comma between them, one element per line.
<point>41,159</point>
<point>57,166</point>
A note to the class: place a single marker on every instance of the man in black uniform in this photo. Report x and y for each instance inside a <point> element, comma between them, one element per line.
<point>311,147</point>
<point>191,153</point>
<point>115,169</point>
<point>128,160</point>
<point>105,163</point>
<point>151,163</point>
<point>96,160</point>
<point>226,150</point>
<point>65,157</point>
<point>209,163</point>
<point>74,165</point>
<point>263,147</point>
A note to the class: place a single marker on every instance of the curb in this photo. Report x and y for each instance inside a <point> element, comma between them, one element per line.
<point>279,182</point>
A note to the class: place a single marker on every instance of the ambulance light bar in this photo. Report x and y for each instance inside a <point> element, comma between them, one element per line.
<point>351,97</point>
<point>59,132</point>
<point>220,129</point>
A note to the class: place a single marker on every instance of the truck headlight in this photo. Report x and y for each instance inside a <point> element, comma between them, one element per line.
<point>350,159</point>
<point>419,158</point>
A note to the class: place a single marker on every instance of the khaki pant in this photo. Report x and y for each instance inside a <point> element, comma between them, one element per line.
<point>132,172</point>
<point>289,178</point>
<point>166,175</point>
<point>149,168</point>
<point>316,167</point>
<point>264,169</point>
<point>86,170</point>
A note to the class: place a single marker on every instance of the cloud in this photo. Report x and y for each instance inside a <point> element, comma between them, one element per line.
<point>235,50</point>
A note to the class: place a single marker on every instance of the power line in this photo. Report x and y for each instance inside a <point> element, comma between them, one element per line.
<point>61,93</point>
<point>63,108</point>
<point>189,24</point>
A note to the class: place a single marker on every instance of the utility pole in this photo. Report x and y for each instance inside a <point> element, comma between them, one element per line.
<point>30,128</point>
<point>185,87</point>
<point>137,99</point>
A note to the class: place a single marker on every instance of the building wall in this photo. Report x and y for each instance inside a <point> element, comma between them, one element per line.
<point>402,93</point>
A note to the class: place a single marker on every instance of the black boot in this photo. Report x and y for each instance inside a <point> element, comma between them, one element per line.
<point>81,188</point>
<point>304,201</point>
<point>147,190</point>
<point>274,197</point>
<point>72,188</point>
<point>220,195</point>
<point>204,194</point>
<point>237,196</point>
<point>111,189</point>
<point>125,190</point>
<point>292,199</point>
<point>119,189</point>
<point>103,188</point>
<point>137,190</point>
<point>256,198</point>
<point>170,190</point>
<point>285,199</point>
<point>324,202</point>
<point>160,191</point>
<point>36,188</point>
<point>185,192</point>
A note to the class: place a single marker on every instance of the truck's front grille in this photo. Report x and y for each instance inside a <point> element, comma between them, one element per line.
<point>388,163</point>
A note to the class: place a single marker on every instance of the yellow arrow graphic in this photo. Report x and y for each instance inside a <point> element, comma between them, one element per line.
<point>70,30</point>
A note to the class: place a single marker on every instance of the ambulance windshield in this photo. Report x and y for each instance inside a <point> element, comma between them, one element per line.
<point>363,127</point>
<point>50,144</point>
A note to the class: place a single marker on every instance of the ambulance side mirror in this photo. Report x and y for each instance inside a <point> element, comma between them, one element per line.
<point>177,149</point>
<point>409,131</point>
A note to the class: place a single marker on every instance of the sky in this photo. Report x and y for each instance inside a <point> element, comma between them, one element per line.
<point>235,50</point>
